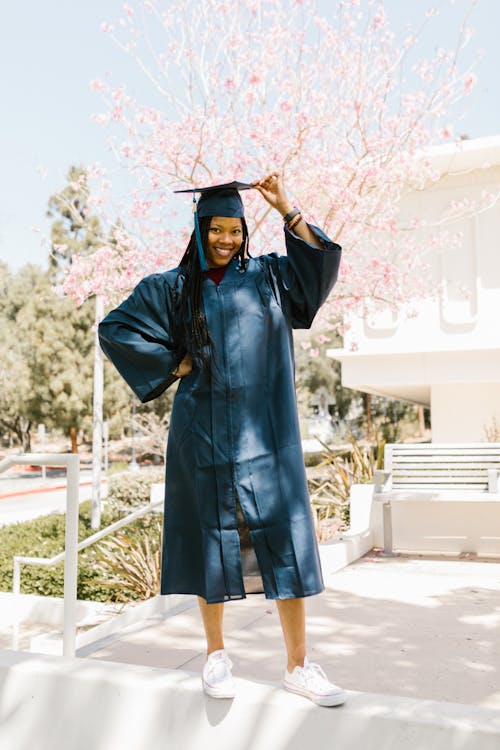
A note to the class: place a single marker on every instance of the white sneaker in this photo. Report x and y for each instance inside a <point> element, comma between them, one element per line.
<point>217,680</point>
<point>311,682</point>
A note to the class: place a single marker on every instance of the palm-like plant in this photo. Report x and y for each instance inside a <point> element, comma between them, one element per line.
<point>330,490</point>
<point>132,564</point>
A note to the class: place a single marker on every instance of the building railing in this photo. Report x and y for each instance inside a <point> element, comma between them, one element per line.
<point>71,545</point>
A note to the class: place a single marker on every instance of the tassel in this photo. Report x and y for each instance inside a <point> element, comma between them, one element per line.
<point>201,254</point>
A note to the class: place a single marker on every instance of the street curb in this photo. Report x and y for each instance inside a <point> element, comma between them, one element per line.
<point>36,490</point>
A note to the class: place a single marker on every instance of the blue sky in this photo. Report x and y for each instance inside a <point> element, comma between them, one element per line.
<point>50,50</point>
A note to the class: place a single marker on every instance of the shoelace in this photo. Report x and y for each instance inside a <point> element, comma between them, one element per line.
<point>314,676</point>
<point>218,667</point>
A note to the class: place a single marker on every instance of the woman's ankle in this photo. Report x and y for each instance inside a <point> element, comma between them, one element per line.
<point>215,647</point>
<point>295,662</point>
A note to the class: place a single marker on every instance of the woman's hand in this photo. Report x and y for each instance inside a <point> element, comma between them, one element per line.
<point>184,368</point>
<point>271,188</point>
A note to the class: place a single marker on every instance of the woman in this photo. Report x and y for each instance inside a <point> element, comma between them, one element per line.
<point>237,511</point>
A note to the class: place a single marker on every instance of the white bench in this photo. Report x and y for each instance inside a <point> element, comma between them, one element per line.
<point>431,471</point>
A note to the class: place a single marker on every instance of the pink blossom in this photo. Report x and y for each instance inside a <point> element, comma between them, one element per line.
<point>469,82</point>
<point>127,150</point>
<point>314,353</point>
<point>347,167</point>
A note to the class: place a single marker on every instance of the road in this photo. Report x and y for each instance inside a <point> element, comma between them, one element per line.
<point>25,494</point>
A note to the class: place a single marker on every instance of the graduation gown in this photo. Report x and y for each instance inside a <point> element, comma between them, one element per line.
<point>234,447</point>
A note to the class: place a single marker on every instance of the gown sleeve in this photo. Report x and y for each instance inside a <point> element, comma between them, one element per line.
<point>137,338</point>
<point>305,276</point>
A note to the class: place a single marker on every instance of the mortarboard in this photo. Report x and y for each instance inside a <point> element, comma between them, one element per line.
<point>216,200</point>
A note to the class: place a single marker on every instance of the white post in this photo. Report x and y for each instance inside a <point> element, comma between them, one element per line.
<point>16,590</point>
<point>97,419</point>
<point>41,440</point>
<point>71,556</point>
<point>134,466</point>
<point>105,434</point>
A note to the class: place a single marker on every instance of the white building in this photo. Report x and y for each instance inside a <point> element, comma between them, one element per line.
<point>448,357</point>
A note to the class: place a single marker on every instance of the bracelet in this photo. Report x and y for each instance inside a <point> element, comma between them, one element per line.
<point>294,223</point>
<point>289,216</point>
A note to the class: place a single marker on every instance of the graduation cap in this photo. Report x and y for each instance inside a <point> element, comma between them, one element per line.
<point>216,200</point>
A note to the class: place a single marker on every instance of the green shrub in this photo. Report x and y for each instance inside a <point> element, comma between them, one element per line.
<point>44,537</point>
<point>129,490</point>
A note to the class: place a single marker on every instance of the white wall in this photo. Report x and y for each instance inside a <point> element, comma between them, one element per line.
<point>460,411</point>
<point>448,354</point>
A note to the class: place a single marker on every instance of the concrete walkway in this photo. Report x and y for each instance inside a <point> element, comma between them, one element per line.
<point>417,628</point>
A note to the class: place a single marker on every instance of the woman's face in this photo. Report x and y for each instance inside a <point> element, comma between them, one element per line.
<point>225,236</point>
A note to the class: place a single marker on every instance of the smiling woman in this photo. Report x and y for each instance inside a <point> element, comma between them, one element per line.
<point>237,515</point>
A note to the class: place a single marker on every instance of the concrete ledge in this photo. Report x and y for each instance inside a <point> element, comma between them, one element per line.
<point>101,619</point>
<point>49,609</point>
<point>344,549</point>
<point>53,703</point>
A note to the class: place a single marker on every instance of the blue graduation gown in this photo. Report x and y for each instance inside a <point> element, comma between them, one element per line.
<point>234,442</point>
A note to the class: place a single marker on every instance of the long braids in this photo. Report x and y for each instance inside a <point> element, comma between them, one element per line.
<point>191,315</point>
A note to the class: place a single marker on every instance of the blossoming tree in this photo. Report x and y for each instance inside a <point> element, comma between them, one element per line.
<point>236,89</point>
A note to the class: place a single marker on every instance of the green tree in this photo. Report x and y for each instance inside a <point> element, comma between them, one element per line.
<point>74,229</point>
<point>45,347</point>
<point>14,382</point>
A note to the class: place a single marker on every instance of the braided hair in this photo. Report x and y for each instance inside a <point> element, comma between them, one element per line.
<point>190,314</point>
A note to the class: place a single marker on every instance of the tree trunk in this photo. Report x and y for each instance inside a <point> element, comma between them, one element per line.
<point>421,422</point>
<point>25,434</point>
<point>21,428</point>
<point>368,409</point>
<point>74,442</point>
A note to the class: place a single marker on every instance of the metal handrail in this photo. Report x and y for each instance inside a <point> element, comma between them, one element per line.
<point>72,463</point>
<point>19,560</point>
<point>72,546</point>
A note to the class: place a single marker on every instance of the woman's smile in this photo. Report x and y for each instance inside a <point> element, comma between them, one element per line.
<point>224,251</point>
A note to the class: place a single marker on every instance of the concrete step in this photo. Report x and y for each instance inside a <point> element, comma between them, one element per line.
<point>53,703</point>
